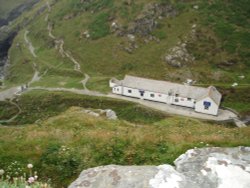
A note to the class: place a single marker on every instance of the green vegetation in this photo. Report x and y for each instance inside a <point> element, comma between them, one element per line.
<point>41,105</point>
<point>99,27</point>
<point>53,132</point>
<point>232,100</point>
<point>61,140</point>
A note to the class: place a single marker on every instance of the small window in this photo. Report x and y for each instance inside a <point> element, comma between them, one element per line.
<point>152,95</point>
<point>176,100</point>
<point>177,95</point>
<point>189,99</point>
<point>129,91</point>
<point>117,89</point>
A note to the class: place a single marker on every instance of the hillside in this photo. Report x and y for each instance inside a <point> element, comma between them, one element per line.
<point>155,39</point>
<point>82,44</point>
<point>57,135</point>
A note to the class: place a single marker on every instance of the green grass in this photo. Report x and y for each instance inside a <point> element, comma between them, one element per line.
<point>99,27</point>
<point>237,99</point>
<point>21,66</point>
<point>61,146</point>
<point>41,105</point>
<point>99,84</point>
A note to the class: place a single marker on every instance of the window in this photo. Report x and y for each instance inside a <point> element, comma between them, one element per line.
<point>189,99</point>
<point>152,95</point>
<point>177,95</point>
<point>129,91</point>
<point>206,105</point>
<point>176,100</point>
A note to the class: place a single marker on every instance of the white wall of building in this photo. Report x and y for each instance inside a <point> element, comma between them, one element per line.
<point>117,90</point>
<point>213,109</point>
<point>147,95</point>
<point>131,92</point>
<point>182,101</point>
<point>159,97</point>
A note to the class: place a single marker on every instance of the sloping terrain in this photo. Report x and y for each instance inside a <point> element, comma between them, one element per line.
<point>82,44</point>
<point>206,42</point>
<point>56,134</point>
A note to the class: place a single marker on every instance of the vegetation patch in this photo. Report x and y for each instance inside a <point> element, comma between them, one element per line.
<point>99,27</point>
<point>61,146</point>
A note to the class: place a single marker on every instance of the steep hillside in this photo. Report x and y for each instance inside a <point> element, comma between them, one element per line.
<point>167,40</point>
<point>11,9</point>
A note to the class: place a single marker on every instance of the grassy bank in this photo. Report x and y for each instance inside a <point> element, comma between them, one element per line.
<point>63,145</point>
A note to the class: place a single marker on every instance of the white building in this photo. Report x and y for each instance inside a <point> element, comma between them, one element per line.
<point>203,100</point>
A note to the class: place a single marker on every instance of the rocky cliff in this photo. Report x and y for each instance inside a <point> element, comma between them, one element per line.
<point>206,168</point>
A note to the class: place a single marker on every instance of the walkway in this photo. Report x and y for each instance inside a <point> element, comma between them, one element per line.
<point>223,115</point>
<point>178,110</point>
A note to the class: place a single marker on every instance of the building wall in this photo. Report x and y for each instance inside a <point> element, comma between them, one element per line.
<point>117,90</point>
<point>213,108</point>
<point>131,92</point>
<point>147,95</point>
<point>158,97</point>
<point>153,96</point>
<point>183,101</point>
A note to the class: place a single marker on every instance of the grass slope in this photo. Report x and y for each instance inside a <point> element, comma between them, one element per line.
<point>66,142</point>
<point>221,37</point>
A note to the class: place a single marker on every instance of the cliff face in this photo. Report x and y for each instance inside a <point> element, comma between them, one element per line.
<point>208,167</point>
<point>16,11</point>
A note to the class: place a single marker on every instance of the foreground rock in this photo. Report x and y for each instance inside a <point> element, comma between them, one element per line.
<point>197,168</point>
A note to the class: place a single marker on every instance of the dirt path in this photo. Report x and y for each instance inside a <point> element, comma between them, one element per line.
<point>29,44</point>
<point>15,116</point>
<point>36,76</point>
<point>65,53</point>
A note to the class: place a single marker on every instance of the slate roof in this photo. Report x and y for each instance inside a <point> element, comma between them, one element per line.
<point>165,87</point>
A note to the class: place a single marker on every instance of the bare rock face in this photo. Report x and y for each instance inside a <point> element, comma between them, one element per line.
<point>179,56</point>
<point>197,168</point>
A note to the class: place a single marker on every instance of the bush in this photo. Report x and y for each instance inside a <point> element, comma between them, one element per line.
<point>60,160</point>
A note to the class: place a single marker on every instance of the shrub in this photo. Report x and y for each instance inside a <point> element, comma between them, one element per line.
<point>60,160</point>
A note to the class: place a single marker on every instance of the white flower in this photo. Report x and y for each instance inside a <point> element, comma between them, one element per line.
<point>35,177</point>
<point>30,165</point>
<point>1,172</point>
<point>31,180</point>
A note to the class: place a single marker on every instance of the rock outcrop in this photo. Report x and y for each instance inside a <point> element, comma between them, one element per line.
<point>179,56</point>
<point>197,168</point>
<point>108,113</point>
